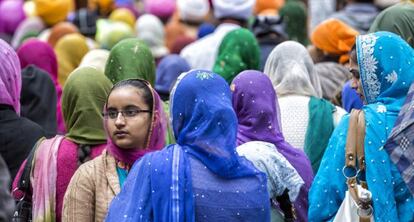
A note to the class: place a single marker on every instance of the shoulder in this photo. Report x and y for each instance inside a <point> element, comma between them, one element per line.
<point>30,127</point>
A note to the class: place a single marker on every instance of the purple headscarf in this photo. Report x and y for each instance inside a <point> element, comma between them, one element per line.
<point>255,103</point>
<point>163,9</point>
<point>156,135</point>
<point>11,15</point>
<point>10,77</point>
<point>45,59</point>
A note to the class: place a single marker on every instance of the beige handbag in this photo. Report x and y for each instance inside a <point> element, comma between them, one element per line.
<point>357,205</point>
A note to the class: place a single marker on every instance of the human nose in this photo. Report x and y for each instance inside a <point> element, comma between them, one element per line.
<point>354,83</point>
<point>120,120</point>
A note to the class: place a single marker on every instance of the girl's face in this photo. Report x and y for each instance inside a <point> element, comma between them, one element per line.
<point>356,79</point>
<point>128,118</point>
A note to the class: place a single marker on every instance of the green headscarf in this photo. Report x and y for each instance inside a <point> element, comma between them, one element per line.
<point>295,17</point>
<point>238,51</point>
<point>83,99</point>
<point>398,19</point>
<point>130,59</point>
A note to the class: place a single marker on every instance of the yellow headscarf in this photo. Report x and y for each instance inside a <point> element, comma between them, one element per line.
<point>52,11</point>
<point>268,7</point>
<point>334,37</point>
<point>70,50</point>
<point>123,15</point>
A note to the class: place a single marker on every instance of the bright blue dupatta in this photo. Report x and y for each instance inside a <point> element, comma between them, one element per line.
<point>386,69</point>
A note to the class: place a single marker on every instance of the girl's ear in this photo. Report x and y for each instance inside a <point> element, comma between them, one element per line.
<point>155,116</point>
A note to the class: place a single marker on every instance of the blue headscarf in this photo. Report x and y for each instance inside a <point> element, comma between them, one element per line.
<point>386,69</point>
<point>168,70</point>
<point>159,187</point>
<point>350,98</point>
<point>205,29</point>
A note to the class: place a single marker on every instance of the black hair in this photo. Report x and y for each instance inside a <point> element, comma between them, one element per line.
<point>353,54</point>
<point>141,85</point>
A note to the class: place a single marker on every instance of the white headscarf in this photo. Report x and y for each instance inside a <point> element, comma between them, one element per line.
<point>151,30</point>
<point>241,9</point>
<point>193,10</point>
<point>96,58</point>
<point>291,70</point>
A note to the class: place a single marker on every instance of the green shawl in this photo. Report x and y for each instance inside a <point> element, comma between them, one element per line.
<point>398,19</point>
<point>130,59</point>
<point>238,51</point>
<point>295,16</point>
<point>83,99</point>
<point>320,128</point>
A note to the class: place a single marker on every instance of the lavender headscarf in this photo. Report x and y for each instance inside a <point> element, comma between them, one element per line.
<point>156,134</point>
<point>11,15</point>
<point>255,103</point>
<point>10,77</point>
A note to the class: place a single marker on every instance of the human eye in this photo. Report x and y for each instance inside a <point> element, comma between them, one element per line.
<point>131,112</point>
<point>112,114</point>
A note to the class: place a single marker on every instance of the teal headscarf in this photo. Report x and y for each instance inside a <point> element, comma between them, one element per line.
<point>386,69</point>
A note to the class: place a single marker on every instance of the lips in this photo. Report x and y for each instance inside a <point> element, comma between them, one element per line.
<point>120,133</point>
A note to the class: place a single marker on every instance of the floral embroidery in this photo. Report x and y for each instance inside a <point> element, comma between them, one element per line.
<point>204,75</point>
<point>381,109</point>
<point>392,77</point>
<point>369,67</point>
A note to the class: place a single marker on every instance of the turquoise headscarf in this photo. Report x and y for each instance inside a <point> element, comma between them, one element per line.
<point>386,69</point>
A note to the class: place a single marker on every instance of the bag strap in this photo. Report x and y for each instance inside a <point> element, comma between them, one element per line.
<point>24,182</point>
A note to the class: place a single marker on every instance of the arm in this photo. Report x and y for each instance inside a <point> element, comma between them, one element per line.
<point>79,201</point>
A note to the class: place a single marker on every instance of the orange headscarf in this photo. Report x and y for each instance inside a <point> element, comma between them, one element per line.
<point>334,37</point>
<point>268,6</point>
<point>54,11</point>
<point>59,30</point>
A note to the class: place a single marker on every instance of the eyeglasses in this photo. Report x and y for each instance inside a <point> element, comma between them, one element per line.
<point>128,113</point>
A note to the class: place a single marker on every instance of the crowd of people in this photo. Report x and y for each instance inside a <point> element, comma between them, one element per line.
<point>198,110</point>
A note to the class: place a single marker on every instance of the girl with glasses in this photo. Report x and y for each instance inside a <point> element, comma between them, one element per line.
<point>135,125</point>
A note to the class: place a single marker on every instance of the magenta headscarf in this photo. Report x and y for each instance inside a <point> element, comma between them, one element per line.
<point>10,77</point>
<point>11,15</point>
<point>163,9</point>
<point>42,55</point>
<point>156,136</point>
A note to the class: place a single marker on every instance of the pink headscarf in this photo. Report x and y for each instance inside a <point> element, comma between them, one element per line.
<point>11,15</point>
<point>10,77</point>
<point>45,59</point>
<point>156,135</point>
<point>163,9</point>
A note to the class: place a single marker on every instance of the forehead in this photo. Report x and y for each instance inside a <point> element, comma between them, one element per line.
<point>126,96</point>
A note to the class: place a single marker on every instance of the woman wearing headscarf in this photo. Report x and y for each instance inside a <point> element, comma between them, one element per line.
<point>30,27</point>
<point>45,59</point>
<point>332,41</point>
<point>138,130</point>
<point>57,159</point>
<point>307,120</point>
<point>163,9</point>
<point>109,33</point>
<point>186,20</point>
<point>256,105</point>
<point>52,12</point>
<point>130,59</point>
<point>398,19</point>
<point>294,14</point>
<point>11,15</point>
<point>13,147</point>
<point>96,58</point>
<point>38,99</point>
<point>383,84</point>
<point>60,30</point>
<point>238,51</point>
<point>123,15</point>
<point>69,52</point>
<point>194,179</point>
<point>151,31</point>
<point>168,71</point>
